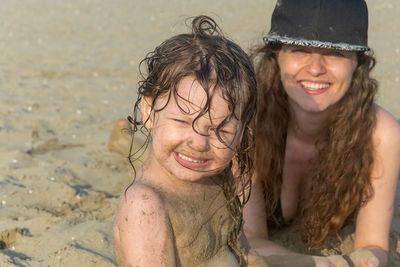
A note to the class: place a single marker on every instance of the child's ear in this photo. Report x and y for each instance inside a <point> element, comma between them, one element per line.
<point>146,112</point>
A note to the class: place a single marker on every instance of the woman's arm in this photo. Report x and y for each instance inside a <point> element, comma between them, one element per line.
<point>255,228</point>
<point>142,233</point>
<point>255,223</point>
<point>375,217</point>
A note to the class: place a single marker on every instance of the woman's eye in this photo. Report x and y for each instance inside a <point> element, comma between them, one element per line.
<point>335,54</point>
<point>299,50</point>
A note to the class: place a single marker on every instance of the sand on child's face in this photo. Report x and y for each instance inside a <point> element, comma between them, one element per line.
<point>177,150</point>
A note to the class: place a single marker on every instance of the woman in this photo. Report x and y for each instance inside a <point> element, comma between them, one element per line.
<point>327,150</point>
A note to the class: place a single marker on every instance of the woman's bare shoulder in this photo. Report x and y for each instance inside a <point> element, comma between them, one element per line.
<point>386,142</point>
<point>387,131</point>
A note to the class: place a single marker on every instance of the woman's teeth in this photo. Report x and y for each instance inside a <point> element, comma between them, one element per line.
<point>314,86</point>
<point>190,159</point>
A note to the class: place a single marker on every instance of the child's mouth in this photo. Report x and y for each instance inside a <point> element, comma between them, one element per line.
<point>189,161</point>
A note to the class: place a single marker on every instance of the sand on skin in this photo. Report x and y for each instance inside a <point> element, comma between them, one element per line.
<point>68,69</point>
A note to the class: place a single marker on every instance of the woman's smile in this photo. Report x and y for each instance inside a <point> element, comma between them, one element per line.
<point>314,88</point>
<point>315,78</point>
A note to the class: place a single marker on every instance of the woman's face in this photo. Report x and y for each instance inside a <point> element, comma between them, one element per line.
<point>315,78</point>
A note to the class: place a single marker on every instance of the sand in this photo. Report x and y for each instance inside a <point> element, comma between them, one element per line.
<point>68,69</point>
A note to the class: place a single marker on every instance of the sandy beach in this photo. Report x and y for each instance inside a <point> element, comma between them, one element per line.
<point>68,69</point>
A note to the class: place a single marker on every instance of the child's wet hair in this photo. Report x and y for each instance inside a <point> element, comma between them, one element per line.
<point>211,59</point>
<point>214,61</point>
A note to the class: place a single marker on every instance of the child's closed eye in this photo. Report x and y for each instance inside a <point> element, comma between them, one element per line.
<point>180,121</point>
<point>226,132</point>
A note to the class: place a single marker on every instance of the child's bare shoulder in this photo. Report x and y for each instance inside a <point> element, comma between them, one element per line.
<point>141,219</point>
<point>140,200</point>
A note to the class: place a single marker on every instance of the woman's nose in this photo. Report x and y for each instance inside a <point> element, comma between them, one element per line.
<point>316,64</point>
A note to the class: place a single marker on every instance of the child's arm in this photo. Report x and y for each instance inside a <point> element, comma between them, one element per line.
<point>142,232</point>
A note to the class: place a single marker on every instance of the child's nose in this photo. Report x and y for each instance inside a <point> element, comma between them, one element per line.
<point>316,64</point>
<point>200,137</point>
<point>199,142</point>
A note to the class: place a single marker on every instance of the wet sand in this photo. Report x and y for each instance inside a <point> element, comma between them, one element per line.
<point>68,69</point>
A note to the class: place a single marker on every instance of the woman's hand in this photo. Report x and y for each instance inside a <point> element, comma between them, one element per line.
<point>330,261</point>
<point>363,257</point>
<point>360,258</point>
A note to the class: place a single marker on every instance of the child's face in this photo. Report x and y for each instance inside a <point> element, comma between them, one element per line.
<point>177,149</point>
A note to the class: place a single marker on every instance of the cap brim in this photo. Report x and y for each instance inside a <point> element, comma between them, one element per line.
<point>315,43</point>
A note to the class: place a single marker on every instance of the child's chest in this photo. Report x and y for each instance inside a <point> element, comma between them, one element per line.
<point>201,226</point>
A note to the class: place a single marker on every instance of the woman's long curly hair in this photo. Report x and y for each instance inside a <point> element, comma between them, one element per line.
<point>214,62</point>
<point>341,180</point>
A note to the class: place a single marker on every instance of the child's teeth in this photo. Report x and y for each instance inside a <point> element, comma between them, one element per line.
<point>189,159</point>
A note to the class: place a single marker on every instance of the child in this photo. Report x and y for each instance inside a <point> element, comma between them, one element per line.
<point>196,102</point>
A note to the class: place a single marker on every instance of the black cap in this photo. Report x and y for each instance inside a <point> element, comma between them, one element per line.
<point>334,24</point>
